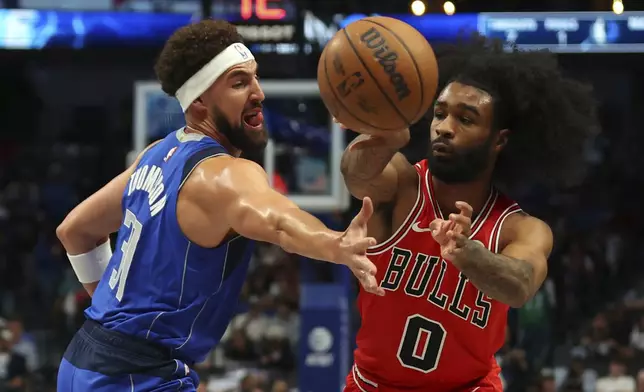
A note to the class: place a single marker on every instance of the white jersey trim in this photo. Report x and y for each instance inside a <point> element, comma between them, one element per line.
<point>493,243</point>
<point>404,228</point>
<point>480,218</point>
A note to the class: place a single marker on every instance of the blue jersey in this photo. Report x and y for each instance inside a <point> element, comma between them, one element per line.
<point>159,286</point>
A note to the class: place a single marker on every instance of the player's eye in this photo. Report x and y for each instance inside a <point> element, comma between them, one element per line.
<point>439,115</point>
<point>466,120</point>
<point>239,84</point>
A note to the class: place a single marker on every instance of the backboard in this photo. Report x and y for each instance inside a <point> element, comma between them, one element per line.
<point>303,154</point>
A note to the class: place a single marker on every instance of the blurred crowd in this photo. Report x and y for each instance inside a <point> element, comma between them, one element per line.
<point>583,331</point>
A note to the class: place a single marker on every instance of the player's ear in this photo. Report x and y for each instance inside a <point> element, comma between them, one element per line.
<point>199,109</point>
<point>501,139</point>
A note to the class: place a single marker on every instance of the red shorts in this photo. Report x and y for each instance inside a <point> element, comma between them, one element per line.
<point>357,382</point>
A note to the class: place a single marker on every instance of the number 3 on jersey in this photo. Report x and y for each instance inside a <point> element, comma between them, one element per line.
<point>421,344</point>
<point>119,276</point>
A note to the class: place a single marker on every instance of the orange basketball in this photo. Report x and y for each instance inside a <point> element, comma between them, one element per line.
<point>378,73</point>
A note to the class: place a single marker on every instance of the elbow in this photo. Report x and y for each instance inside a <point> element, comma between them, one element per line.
<point>522,294</point>
<point>67,231</point>
<point>63,231</point>
<point>344,164</point>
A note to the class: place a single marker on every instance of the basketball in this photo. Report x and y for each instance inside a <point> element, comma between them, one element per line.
<point>377,73</point>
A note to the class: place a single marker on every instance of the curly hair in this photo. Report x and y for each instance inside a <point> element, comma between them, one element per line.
<point>550,117</point>
<point>189,49</point>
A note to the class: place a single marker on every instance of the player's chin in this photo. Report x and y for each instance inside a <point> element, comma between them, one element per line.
<point>257,137</point>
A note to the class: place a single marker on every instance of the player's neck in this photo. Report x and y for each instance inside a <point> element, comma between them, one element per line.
<point>475,193</point>
<point>214,134</point>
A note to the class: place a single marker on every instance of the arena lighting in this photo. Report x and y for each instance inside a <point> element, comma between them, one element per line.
<point>618,7</point>
<point>418,7</point>
<point>449,8</point>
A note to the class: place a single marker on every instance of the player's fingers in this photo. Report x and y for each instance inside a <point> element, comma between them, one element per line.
<point>465,208</point>
<point>439,226</point>
<point>439,231</point>
<point>446,226</point>
<point>370,285</point>
<point>365,212</point>
<point>435,224</point>
<point>461,220</point>
<point>363,267</point>
<point>458,238</point>
<point>361,245</point>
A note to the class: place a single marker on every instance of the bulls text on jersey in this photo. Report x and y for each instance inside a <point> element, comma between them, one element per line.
<point>417,285</point>
<point>420,330</point>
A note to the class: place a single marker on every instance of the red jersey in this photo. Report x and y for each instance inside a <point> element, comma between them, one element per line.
<point>433,330</point>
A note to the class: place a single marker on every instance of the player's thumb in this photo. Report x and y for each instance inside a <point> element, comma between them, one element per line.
<point>365,212</point>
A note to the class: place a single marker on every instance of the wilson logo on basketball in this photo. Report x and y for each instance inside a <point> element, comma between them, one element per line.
<point>387,60</point>
<point>349,84</point>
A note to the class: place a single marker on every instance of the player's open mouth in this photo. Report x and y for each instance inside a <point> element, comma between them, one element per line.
<point>440,149</point>
<point>254,120</point>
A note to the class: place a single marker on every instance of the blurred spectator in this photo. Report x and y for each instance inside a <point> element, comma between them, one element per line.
<point>239,348</point>
<point>13,366</point>
<point>289,321</point>
<point>577,378</point>
<point>275,350</point>
<point>599,342</point>
<point>253,323</point>
<point>279,386</point>
<point>22,343</point>
<point>250,383</point>
<point>637,335</point>
<point>617,379</point>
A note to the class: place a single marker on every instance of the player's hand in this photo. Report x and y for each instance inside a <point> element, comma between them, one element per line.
<point>452,234</point>
<point>375,138</point>
<point>352,249</point>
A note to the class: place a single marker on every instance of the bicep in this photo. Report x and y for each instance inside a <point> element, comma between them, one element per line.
<point>252,208</point>
<point>531,241</point>
<point>384,187</point>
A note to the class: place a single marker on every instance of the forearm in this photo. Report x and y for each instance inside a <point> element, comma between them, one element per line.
<point>500,277</point>
<point>300,232</point>
<point>366,163</point>
<point>77,242</point>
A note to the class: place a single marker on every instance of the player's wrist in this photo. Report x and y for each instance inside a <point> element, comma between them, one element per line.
<point>470,251</point>
<point>333,247</point>
<point>89,267</point>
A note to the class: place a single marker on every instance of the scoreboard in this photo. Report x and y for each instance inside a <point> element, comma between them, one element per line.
<point>278,26</point>
<point>577,32</point>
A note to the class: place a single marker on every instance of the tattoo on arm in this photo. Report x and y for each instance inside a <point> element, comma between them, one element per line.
<point>364,164</point>
<point>500,277</point>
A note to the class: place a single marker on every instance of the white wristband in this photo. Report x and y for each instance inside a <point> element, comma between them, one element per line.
<point>89,267</point>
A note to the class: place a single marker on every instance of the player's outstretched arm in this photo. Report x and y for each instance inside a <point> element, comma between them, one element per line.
<point>514,275</point>
<point>372,166</point>
<point>239,191</point>
<point>84,233</point>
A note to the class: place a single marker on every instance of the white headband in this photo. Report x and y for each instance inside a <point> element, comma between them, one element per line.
<point>236,53</point>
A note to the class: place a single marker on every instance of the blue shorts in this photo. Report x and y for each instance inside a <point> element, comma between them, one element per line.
<point>100,360</point>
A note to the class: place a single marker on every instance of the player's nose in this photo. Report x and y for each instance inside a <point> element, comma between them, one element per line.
<point>444,130</point>
<point>257,93</point>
